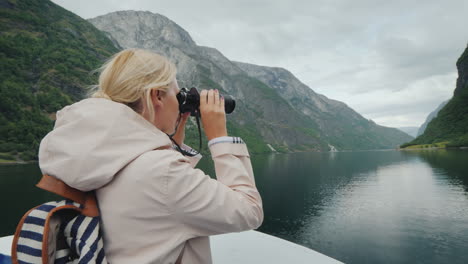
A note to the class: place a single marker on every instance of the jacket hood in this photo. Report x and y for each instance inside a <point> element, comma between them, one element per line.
<point>93,140</point>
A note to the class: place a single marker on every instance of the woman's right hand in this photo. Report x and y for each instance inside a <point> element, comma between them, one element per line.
<point>213,114</point>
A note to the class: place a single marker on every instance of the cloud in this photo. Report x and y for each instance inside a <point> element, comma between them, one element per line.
<point>392,61</point>
<point>406,105</point>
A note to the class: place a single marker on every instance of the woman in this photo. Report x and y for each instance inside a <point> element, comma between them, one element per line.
<point>155,207</point>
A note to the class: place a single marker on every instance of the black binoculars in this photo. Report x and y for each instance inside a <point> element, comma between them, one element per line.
<point>189,101</point>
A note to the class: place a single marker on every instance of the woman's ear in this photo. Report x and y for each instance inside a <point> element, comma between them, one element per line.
<point>156,96</point>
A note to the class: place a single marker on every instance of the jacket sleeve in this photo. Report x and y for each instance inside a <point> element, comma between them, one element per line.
<point>206,206</point>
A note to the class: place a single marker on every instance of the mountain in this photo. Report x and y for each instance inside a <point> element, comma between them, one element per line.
<point>340,125</point>
<point>412,131</point>
<point>451,123</point>
<point>46,55</point>
<point>273,107</point>
<point>429,118</point>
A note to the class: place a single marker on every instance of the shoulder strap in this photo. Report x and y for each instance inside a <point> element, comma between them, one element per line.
<point>87,199</point>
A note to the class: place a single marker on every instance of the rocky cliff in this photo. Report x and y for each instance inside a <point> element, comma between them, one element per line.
<point>451,123</point>
<point>273,108</point>
<point>339,125</point>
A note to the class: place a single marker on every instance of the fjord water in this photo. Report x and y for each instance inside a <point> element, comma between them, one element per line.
<point>370,207</point>
<point>357,207</point>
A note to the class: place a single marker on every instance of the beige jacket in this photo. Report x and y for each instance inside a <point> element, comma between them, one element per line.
<point>153,203</point>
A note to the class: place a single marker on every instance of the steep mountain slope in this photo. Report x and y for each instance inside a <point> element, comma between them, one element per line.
<point>340,125</point>
<point>451,123</point>
<point>269,111</point>
<point>261,116</point>
<point>431,116</point>
<point>46,54</point>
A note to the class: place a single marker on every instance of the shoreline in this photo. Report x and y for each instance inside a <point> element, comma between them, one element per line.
<point>12,162</point>
<point>431,148</point>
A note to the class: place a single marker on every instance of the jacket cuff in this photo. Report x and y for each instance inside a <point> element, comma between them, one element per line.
<point>234,140</point>
<point>228,145</point>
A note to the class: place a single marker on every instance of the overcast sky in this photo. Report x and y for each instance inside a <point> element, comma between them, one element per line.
<point>391,61</point>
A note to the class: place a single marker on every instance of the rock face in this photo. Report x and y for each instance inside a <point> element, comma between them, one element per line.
<point>451,123</point>
<point>290,88</point>
<point>137,29</point>
<point>273,107</point>
<point>462,81</point>
<point>429,118</point>
<point>339,125</point>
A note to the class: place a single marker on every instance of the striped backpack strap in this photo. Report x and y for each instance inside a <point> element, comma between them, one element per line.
<point>60,232</point>
<point>38,237</point>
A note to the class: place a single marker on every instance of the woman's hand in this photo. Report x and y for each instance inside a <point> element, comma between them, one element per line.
<point>179,136</point>
<point>212,113</point>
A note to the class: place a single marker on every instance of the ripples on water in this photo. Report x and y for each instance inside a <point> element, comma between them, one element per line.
<point>358,207</point>
<point>370,207</point>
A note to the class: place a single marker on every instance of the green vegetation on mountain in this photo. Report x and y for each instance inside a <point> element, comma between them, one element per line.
<point>325,123</point>
<point>46,56</point>
<point>451,124</point>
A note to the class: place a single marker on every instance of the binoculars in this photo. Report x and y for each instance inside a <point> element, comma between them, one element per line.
<point>189,101</point>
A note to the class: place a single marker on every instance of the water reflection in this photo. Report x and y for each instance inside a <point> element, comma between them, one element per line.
<point>452,163</point>
<point>358,207</point>
<point>401,213</point>
<point>297,186</point>
<point>370,207</point>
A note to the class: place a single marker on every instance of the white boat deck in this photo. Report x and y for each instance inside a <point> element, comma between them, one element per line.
<point>255,247</point>
<point>249,247</point>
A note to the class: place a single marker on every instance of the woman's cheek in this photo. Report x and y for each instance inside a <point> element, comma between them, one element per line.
<point>176,116</point>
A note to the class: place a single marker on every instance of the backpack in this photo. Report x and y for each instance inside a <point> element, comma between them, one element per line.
<point>65,231</point>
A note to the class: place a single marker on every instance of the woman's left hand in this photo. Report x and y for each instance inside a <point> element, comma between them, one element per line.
<point>179,136</point>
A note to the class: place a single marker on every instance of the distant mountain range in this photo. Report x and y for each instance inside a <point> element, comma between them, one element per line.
<point>412,131</point>
<point>417,131</point>
<point>48,53</point>
<point>274,106</point>
<point>429,118</point>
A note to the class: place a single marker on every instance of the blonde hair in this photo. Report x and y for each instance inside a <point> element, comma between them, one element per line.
<point>129,76</point>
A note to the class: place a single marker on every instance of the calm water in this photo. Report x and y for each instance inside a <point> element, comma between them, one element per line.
<point>358,207</point>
